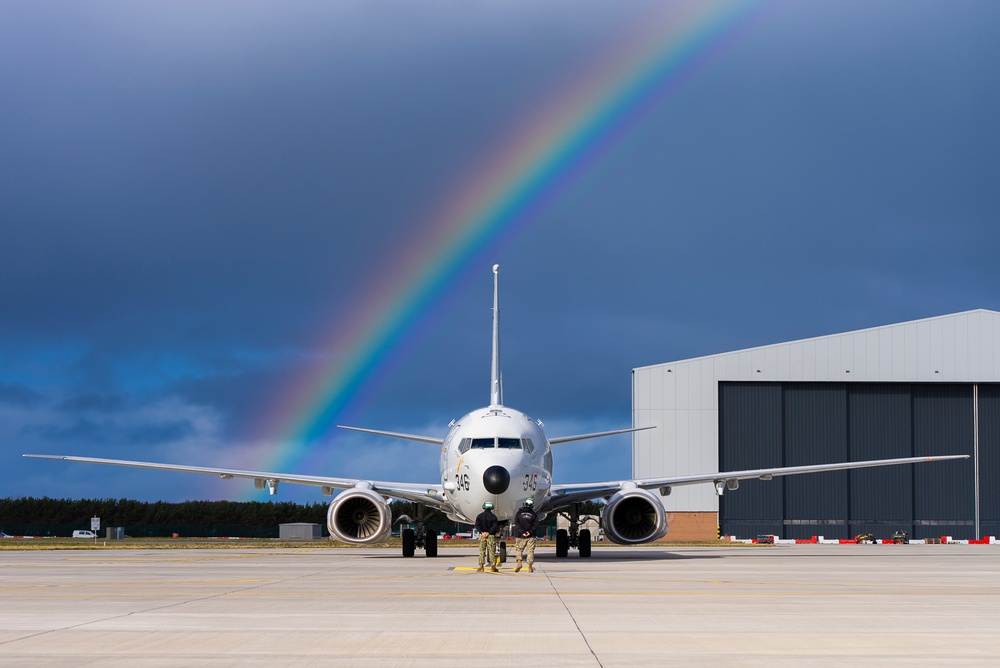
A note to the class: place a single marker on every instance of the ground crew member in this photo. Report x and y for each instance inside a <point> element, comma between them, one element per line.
<point>488,527</point>
<point>525,526</point>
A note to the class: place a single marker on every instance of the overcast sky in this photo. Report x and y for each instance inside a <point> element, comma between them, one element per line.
<point>195,197</point>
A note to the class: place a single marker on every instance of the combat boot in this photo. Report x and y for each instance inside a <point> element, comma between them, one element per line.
<point>517,569</point>
<point>531,569</point>
<point>480,569</point>
<point>493,569</point>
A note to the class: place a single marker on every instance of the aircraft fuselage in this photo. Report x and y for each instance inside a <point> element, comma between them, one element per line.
<point>495,454</point>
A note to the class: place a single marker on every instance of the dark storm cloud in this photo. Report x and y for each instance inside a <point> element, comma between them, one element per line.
<point>182,175</point>
<point>92,402</point>
<point>109,433</point>
<point>20,395</point>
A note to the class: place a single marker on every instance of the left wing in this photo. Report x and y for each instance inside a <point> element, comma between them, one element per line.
<point>429,494</point>
<point>395,434</point>
<point>563,495</point>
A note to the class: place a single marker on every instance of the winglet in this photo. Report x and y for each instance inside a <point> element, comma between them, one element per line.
<point>496,378</point>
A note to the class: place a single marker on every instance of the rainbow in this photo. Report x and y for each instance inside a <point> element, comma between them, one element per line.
<point>502,197</point>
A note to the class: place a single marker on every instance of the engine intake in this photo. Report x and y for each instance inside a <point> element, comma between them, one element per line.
<point>359,516</point>
<point>634,516</point>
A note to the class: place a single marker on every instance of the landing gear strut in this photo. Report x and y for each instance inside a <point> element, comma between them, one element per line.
<point>426,539</point>
<point>574,536</point>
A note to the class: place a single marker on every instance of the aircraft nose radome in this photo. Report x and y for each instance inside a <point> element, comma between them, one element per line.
<point>496,479</point>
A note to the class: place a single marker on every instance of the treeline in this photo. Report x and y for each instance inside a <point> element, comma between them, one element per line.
<point>60,517</point>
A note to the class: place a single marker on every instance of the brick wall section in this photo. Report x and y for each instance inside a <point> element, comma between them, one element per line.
<point>692,526</point>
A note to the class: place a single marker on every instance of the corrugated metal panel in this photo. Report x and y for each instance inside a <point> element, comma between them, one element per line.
<point>750,437</point>
<point>881,428</point>
<point>989,459</point>
<point>882,529</point>
<point>815,433</point>
<point>824,422</point>
<point>751,528</point>
<point>944,493</point>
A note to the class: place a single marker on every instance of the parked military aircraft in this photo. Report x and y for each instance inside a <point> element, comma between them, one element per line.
<point>497,454</point>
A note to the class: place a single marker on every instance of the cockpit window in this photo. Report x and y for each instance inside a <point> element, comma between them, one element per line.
<point>528,446</point>
<point>474,443</point>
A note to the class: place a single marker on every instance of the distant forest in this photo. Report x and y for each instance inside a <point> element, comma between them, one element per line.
<point>60,517</point>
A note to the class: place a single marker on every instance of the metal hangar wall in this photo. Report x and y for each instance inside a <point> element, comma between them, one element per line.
<point>928,386</point>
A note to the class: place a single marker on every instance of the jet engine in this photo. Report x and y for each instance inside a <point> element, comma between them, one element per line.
<point>359,516</point>
<point>634,516</point>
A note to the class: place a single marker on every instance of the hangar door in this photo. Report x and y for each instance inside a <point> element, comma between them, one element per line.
<point>789,424</point>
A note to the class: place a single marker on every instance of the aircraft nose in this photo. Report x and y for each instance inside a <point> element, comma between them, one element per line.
<point>496,479</point>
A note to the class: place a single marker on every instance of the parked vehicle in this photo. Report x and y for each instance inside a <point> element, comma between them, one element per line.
<point>84,533</point>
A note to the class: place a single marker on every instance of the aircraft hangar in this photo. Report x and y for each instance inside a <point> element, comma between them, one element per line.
<point>925,387</point>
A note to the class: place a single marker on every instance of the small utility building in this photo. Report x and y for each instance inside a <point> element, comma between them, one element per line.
<point>300,531</point>
<point>926,387</point>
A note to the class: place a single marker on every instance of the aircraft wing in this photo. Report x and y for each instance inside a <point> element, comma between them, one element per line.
<point>563,495</point>
<point>431,495</point>
<point>581,437</point>
<point>395,434</point>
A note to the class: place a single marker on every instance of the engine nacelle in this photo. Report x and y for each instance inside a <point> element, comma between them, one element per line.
<point>359,516</point>
<point>634,516</point>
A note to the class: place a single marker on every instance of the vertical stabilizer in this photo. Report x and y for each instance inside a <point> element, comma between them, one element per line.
<point>496,378</point>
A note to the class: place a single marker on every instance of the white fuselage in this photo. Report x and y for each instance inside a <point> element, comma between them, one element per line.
<point>495,454</point>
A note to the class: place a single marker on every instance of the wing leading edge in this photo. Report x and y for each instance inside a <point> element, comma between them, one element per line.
<point>428,494</point>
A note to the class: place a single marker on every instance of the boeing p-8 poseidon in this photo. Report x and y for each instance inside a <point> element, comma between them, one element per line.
<point>497,454</point>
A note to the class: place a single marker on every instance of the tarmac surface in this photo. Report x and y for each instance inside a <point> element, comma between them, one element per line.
<point>803,605</point>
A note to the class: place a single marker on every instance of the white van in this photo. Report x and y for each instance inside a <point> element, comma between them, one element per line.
<point>83,533</point>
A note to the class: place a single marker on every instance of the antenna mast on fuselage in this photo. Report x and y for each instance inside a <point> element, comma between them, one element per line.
<point>496,378</point>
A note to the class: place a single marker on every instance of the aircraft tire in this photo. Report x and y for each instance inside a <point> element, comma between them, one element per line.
<point>409,537</point>
<point>585,543</point>
<point>431,543</point>
<point>562,543</point>
<point>503,552</point>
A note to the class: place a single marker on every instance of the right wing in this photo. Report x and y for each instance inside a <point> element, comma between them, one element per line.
<point>431,495</point>
<point>563,495</point>
<point>581,437</point>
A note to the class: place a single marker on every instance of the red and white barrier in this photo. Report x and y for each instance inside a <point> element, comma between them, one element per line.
<point>945,540</point>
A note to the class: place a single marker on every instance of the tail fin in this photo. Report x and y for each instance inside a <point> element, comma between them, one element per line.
<point>496,379</point>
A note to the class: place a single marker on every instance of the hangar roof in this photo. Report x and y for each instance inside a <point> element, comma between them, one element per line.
<point>960,347</point>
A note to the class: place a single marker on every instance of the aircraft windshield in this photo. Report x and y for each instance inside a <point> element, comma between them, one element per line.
<point>508,443</point>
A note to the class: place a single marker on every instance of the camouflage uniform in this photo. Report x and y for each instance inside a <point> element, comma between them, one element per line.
<point>487,543</point>
<point>487,526</point>
<point>525,544</point>
<point>525,526</point>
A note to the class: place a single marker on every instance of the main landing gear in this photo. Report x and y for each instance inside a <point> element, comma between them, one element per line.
<point>425,539</point>
<point>574,536</point>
